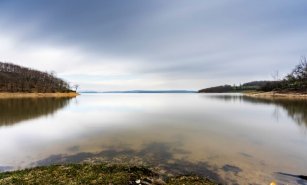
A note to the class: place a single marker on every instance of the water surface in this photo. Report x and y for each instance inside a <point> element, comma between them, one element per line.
<point>228,137</point>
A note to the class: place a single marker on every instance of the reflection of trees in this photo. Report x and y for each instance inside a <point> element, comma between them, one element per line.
<point>296,108</point>
<point>20,109</point>
<point>225,97</point>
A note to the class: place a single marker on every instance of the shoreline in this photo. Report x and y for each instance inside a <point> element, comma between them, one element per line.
<point>290,95</point>
<point>87,173</point>
<point>5,95</point>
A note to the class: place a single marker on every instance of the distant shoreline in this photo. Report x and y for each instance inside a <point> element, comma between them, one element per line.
<point>284,95</point>
<point>141,92</point>
<point>6,95</point>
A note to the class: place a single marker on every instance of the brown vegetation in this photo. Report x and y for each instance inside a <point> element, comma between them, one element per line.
<point>14,78</point>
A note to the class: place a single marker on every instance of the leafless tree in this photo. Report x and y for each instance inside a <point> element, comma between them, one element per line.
<point>275,75</point>
<point>76,86</point>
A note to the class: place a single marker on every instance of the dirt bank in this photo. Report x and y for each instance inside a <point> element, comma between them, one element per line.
<point>286,95</point>
<point>37,95</point>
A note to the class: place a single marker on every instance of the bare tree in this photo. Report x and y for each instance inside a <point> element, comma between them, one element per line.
<point>275,75</point>
<point>76,86</point>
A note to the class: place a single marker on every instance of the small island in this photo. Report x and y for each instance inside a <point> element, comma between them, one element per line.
<point>21,82</point>
<point>294,85</point>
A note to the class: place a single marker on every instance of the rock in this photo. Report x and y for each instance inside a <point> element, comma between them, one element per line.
<point>138,181</point>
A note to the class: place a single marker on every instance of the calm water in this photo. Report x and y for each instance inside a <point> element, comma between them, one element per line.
<point>230,138</point>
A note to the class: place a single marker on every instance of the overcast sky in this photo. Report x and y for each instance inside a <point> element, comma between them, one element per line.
<point>154,44</point>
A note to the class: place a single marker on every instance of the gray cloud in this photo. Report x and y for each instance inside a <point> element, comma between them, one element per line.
<point>156,40</point>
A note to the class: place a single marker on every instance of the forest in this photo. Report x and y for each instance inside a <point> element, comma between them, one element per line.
<point>296,81</point>
<point>15,78</point>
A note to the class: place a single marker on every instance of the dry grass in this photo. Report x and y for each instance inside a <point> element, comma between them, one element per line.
<point>38,95</point>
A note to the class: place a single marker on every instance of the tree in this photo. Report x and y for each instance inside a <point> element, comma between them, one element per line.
<point>275,75</point>
<point>76,86</point>
<point>297,79</point>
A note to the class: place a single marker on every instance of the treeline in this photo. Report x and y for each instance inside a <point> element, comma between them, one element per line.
<point>250,86</point>
<point>218,89</point>
<point>14,78</point>
<point>296,81</point>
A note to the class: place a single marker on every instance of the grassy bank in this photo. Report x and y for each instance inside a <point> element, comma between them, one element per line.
<point>95,174</point>
<point>38,95</point>
<point>284,95</point>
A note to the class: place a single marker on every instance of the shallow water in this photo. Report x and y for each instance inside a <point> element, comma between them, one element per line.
<point>228,137</point>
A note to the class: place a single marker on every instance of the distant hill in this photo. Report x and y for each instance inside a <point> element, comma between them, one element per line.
<point>143,91</point>
<point>14,78</point>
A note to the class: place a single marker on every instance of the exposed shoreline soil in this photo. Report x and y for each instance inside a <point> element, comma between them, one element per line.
<point>283,95</point>
<point>38,95</point>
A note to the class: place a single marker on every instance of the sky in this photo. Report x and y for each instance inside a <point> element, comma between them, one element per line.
<point>154,44</point>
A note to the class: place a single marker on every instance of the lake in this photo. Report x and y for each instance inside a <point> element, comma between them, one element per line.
<point>227,137</point>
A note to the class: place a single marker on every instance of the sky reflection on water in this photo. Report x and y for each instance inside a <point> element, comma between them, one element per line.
<point>230,138</point>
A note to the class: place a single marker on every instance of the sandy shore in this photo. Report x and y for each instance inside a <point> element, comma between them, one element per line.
<point>37,95</point>
<point>276,95</point>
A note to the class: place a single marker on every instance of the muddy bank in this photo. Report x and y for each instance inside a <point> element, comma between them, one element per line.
<point>37,95</point>
<point>95,174</point>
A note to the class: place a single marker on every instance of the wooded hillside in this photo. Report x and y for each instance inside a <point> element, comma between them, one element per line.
<point>14,78</point>
<point>296,82</point>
